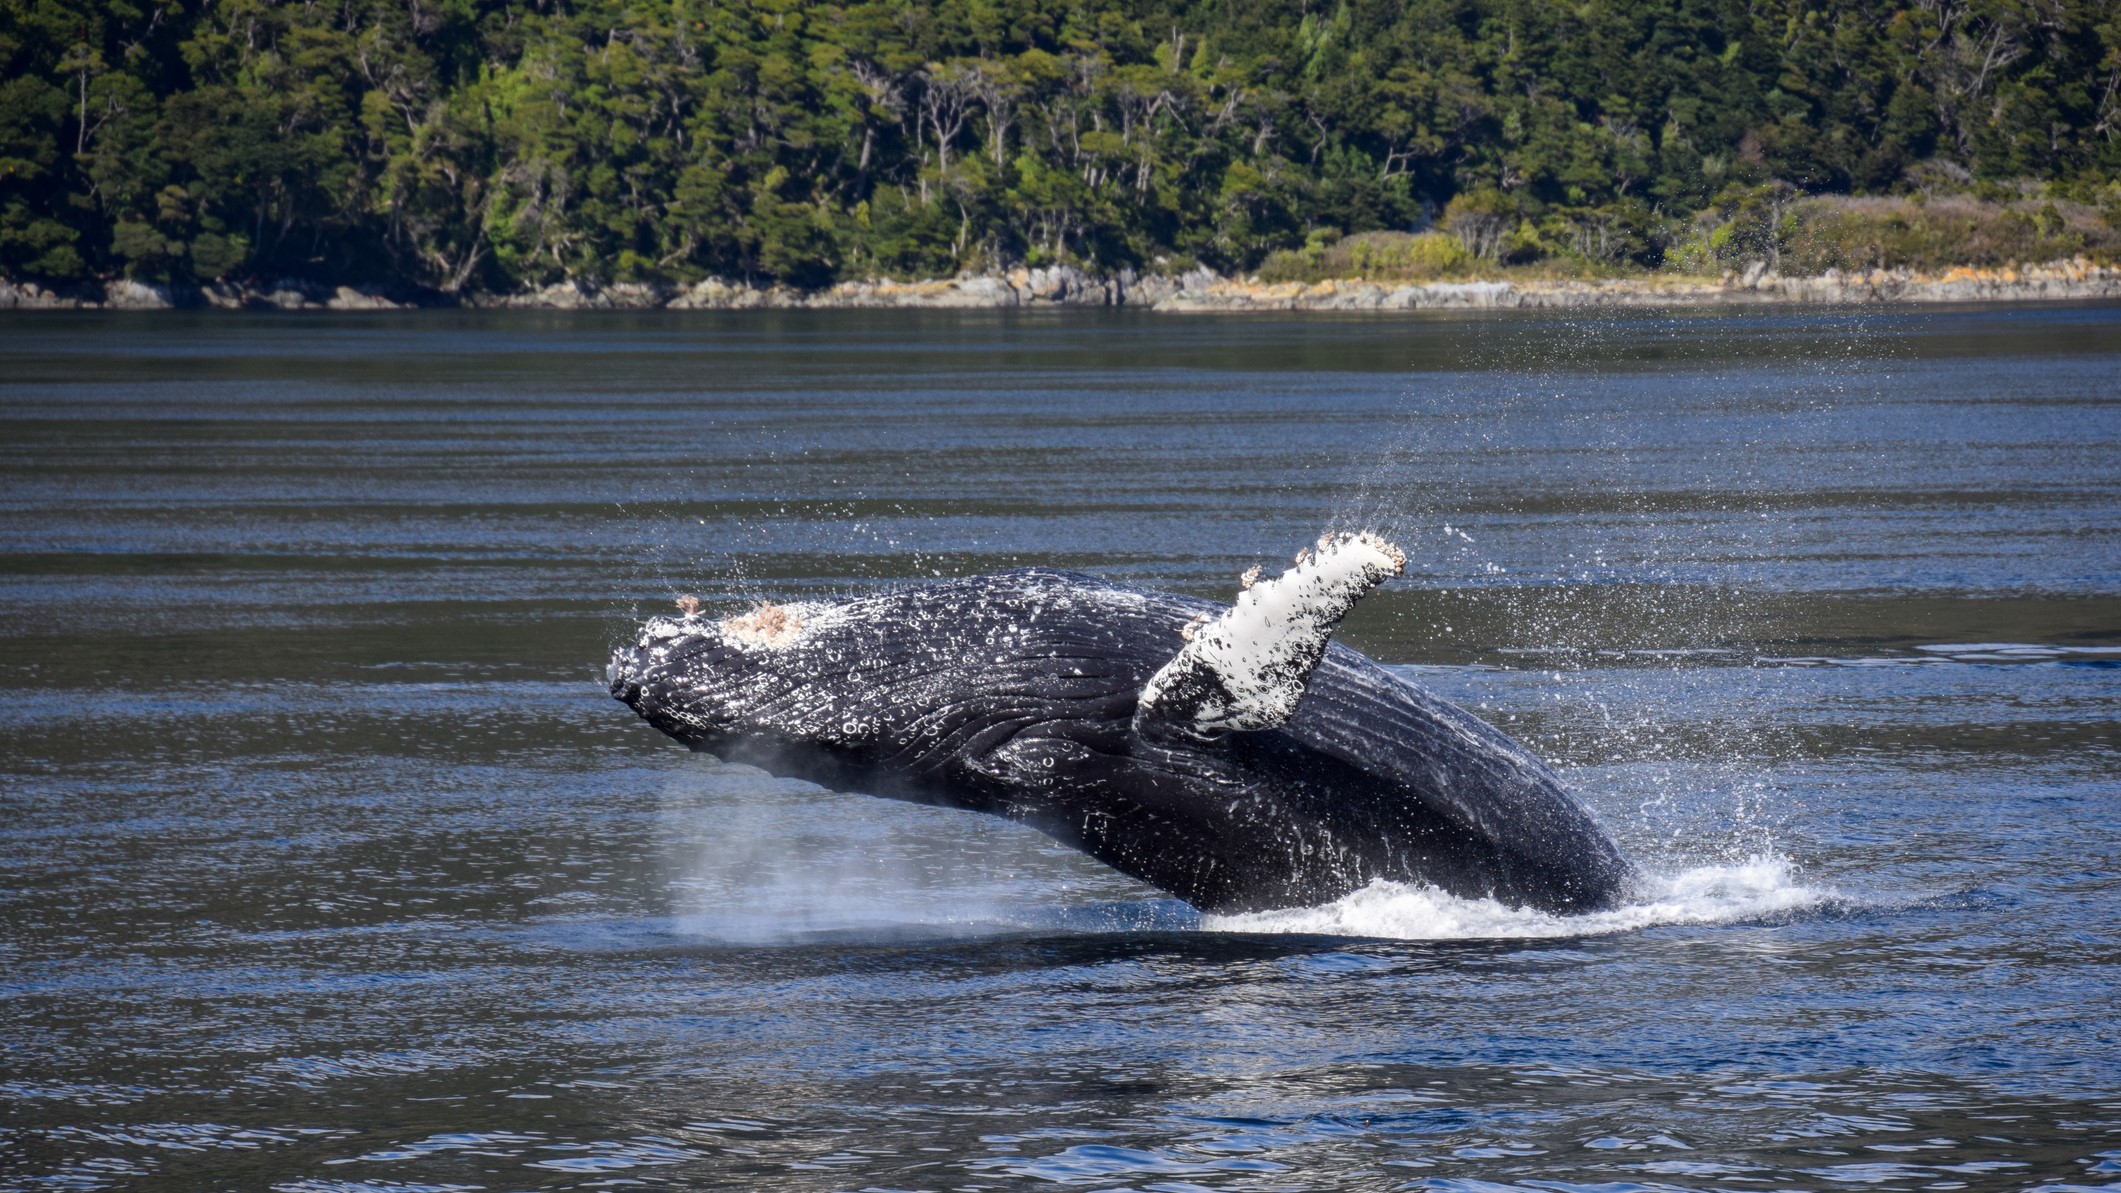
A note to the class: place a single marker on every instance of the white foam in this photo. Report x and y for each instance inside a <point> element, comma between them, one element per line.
<point>1758,887</point>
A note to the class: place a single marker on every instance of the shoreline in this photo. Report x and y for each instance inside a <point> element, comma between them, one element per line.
<point>1200,291</point>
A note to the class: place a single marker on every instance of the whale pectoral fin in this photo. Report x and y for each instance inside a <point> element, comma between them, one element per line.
<point>1244,671</point>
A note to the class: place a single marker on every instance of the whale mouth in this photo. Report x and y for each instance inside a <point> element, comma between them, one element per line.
<point>623,673</point>
<point>630,664</point>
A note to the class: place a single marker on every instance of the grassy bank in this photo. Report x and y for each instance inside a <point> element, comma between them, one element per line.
<point>1762,231</point>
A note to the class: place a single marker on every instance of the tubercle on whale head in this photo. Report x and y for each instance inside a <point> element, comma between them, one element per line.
<point>720,656</point>
<point>767,624</point>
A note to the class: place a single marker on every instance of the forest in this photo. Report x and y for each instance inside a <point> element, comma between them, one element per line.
<point>465,146</point>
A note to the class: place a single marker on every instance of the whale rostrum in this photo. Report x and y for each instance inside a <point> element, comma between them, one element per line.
<point>1231,755</point>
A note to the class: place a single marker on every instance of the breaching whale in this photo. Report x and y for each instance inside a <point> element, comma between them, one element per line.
<point>1231,755</point>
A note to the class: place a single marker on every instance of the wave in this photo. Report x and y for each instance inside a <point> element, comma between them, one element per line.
<point>1760,886</point>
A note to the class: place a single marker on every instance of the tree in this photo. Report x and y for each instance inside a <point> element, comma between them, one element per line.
<point>493,144</point>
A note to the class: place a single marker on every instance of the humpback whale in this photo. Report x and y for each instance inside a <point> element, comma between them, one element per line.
<point>1233,756</point>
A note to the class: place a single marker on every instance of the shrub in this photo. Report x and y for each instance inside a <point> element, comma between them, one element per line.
<point>1937,234</point>
<point>1377,256</point>
<point>1799,235</point>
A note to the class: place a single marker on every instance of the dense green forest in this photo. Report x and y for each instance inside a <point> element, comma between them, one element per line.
<point>494,144</point>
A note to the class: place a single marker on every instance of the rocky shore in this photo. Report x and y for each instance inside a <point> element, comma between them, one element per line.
<point>1197,291</point>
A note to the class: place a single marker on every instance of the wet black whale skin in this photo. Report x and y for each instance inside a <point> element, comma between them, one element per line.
<point>1014,694</point>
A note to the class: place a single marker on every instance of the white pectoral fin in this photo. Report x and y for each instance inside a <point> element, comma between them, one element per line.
<point>1245,670</point>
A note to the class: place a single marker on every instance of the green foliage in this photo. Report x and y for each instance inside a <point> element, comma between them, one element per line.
<point>1807,235</point>
<point>1860,234</point>
<point>496,144</point>
<point>1378,256</point>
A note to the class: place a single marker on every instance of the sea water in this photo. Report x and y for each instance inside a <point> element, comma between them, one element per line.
<point>326,863</point>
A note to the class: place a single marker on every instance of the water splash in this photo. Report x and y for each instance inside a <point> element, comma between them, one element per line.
<point>1761,886</point>
<point>760,860</point>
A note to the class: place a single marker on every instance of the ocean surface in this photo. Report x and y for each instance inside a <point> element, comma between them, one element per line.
<point>327,864</point>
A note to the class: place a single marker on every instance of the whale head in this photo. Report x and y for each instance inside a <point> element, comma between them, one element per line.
<point>698,677</point>
<point>990,658</point>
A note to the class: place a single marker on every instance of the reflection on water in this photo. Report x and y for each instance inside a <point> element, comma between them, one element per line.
<point>326,864</point>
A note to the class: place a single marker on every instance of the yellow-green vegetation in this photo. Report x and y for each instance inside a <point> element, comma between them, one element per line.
<point>1797,234</point>
<point>1939,234</point>
<point>467,145</point>
<point>1769,228</point>
<point>1377,256</point>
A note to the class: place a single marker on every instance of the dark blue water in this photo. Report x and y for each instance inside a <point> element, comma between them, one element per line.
<point>326,864</point>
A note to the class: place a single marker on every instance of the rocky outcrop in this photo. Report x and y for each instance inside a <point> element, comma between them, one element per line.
<point>350,298</point>
<point>1060,285</point>
<point>714,294</point>
<point>126,294</point>
<point>29,296</point>
<point>1359,295</point>
<point>2056,280</point>
<point>1199,290</point>
<point>2077,279</point>
<point>577,295</point>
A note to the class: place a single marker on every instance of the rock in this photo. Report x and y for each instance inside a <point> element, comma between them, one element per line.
<point>291,294</point>
<point>632,296</point>
<point>967,291</point>
<point>1197,289</point>
<point>574,294</point>
<point>985,290</point>
<point>29,296</point>
<point>711,295</point>
<point>1202,289</point>
<point>714,294</point>
<point>1044,285</point>
<point>1144,290</point>
<point>347,298</point>
<point>127,294</point>
<point>1063,285</point>
<point>1200,277</point>
<point>570,295</point>
<point>1469,294</point>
